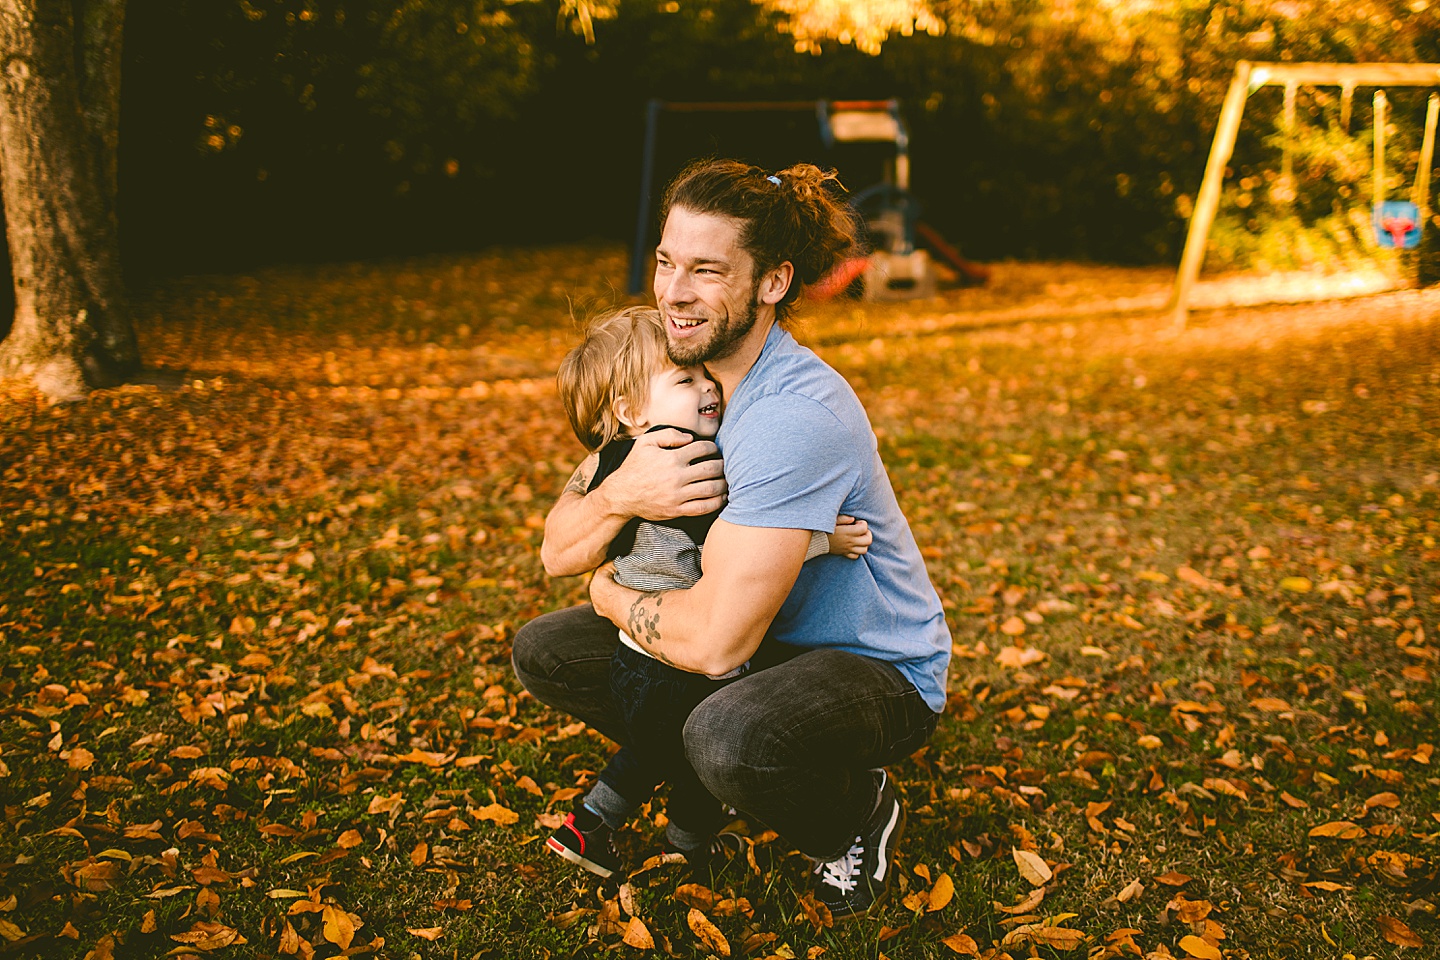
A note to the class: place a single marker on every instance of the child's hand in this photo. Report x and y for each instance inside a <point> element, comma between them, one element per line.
<point>851,538</point>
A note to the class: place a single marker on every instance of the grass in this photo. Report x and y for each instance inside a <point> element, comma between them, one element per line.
<point>254,632</point>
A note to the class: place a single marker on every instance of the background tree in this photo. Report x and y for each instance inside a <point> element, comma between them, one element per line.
<point>59,122</point>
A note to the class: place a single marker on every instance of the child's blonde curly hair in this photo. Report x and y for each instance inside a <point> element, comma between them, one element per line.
<point>621,351</point>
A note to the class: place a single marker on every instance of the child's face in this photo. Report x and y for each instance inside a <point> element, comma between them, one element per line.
<point>682,397</point>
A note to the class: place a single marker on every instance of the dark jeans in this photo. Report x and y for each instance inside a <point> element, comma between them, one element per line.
<point>655,701</point>
<point>790,743</point>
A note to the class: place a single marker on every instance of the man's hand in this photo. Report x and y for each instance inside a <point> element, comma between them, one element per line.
<point>659,481</point>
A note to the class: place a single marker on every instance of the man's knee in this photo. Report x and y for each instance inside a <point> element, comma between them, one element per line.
<point>730,742</point>
<point>527,652</point>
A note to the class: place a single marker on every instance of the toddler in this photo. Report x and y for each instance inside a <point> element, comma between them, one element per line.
<point>616,385</point>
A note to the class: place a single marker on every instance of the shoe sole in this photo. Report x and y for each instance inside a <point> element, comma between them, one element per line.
<point>578,859</point>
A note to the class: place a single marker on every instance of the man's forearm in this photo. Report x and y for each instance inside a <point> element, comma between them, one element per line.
<point>681,628</point>
<point>579,528</point>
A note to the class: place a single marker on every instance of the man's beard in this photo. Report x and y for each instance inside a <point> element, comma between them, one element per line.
<point>724,339</point>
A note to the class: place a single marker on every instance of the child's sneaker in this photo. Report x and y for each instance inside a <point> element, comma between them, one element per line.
<point>851,884</point>
<point>585,839</point>
<point>713,856</point>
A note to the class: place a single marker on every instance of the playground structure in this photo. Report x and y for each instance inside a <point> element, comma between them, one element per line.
<point>895,267</point>
<point>1397,224</point>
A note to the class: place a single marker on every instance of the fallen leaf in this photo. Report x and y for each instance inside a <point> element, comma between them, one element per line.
<point>1397,932</point>
<point>419,853</point>
<point>497,814</point>
<point>1032,867</point>
<point>349,840</point>
<point>209,936</point>
<point>426,757</point>
<point>707,932</point>
<point>1339,829</point>
<point>1388,800</point>
<point>637,935</point>
<point>1018,657</point>
<point>1031,901</point>
<point>696,895</point>
<point>816,912</point>
<point>941,893</point>
<point>385,804</point>
<point>339,926</point>
<point>1201,949</point>
<point>1173,878</point>
<point>1133,890</point>
<point>1061,938</point>
<point>963,944</point>
<point>1296,584</point>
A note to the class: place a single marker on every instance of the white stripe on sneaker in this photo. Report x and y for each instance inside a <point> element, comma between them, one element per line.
<point>884,846</point>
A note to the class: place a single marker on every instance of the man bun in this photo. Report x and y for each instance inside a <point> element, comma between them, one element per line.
<point>796,215</point>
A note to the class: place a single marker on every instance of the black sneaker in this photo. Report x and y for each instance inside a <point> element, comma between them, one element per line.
<point>853,883</point>
<point>585,839</point>
<point>723,847</point>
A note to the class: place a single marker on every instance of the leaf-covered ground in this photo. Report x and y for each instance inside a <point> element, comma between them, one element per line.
<point>254,632</point>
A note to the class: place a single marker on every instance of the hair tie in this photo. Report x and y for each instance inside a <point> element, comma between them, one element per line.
<point>773,179</point>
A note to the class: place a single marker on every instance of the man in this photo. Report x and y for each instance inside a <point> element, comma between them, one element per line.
<point>848,658</point>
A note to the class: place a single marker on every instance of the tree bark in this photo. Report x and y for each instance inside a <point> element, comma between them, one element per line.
<point>59,112</point>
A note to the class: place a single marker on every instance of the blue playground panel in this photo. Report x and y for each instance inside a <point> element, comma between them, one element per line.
<point>1397,225</point>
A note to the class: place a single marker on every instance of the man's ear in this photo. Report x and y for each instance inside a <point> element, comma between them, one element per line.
<point>776,283</point>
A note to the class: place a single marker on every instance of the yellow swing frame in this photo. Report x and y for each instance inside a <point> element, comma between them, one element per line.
<point>1251,76</point>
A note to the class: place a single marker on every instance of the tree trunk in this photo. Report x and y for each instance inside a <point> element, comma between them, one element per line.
<point>59,111</point>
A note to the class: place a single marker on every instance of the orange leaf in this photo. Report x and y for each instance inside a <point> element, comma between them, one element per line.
<point>426,757</point>
<point>349,840</point>
<point>1173,878</point>
<point>941,893</point>
<point>420,853</point>
<point>1197,947</point>
<point>962,943</point>
<point>339,926</point>
<point>638,936</point>
<point>1024,906</point>
<point>696,895</point>
<point>426,933</point>
<point>497,814</point>
<point>1032,867</point>
<point>383,804</point>
<point>707,932</point>
<point>1387,800</point>
<point>816,912</point>
<point>1398,933</point>
<point>1339,829</point>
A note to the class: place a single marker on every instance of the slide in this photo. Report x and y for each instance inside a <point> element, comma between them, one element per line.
<point>973,272</point>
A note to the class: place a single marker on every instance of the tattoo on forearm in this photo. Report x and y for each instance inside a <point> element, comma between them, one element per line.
<point>579,481</point>
<point>643,624</point>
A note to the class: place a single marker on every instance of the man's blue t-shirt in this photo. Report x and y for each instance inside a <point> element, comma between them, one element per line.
<point>799,451</point>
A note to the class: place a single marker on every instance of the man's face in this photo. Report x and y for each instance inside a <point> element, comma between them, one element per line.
<point>705,286</point>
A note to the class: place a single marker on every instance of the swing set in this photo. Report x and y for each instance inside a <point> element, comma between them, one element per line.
<point>1398,224</point>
